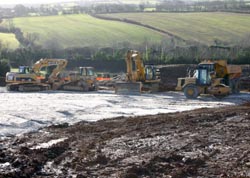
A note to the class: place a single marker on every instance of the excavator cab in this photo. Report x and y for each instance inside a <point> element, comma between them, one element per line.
<point>32,79</point>
<point>151,73</point>
<point>86,71</point>
<point>210,67</point>
<point>203,76</point>
<point>139,78</point>
<point>216,78</point>
<point>24,70</point>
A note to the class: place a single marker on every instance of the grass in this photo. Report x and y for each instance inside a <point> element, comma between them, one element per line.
<point>201,27</point>
<point>83,30</point>
<point>8,40</point>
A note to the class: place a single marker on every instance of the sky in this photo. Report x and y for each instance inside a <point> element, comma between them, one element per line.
<point>30,1</point>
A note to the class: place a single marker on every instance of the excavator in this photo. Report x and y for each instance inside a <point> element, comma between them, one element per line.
<point>216,78</point>
<point>82,80</point>
<point>139,78</point>
<point>44,75</point>
<point>47,74</point>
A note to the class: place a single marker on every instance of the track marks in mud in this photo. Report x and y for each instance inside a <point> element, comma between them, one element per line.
<point>185,144</point>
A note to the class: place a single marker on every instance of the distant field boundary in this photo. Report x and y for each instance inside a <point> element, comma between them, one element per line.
<point>140,24</point>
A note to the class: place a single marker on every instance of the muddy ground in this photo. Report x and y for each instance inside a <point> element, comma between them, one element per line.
<point>200,143</point>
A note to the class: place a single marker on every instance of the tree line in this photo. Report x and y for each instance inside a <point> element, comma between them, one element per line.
<point>112,59</point>
<point>204,6</point>
<point>162,6</point>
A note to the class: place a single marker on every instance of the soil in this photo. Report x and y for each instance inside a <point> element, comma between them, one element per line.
<point>199,143</point>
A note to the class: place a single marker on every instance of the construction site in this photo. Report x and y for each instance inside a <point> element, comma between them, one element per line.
<point>149,122</point>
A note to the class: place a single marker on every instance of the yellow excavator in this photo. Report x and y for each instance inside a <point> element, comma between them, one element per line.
<point>43,75</point>
<point>139,78</point>
<point>211,77</point>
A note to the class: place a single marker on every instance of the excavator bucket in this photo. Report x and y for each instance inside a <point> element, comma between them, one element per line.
<point>128,87</point>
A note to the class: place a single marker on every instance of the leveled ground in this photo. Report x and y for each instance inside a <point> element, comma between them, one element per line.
<point>201,143</point>
<point>27,112</point>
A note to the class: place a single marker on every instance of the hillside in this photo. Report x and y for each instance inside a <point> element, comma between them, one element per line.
<point>66,31</point>
<point>84,30</point>
<point>200,27</point>
<point>9,41</point>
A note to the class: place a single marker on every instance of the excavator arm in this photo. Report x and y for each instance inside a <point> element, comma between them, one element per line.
<point>136,73</point>
<point>136,76</point>
<point>32,81</point>
<point>59,63</point>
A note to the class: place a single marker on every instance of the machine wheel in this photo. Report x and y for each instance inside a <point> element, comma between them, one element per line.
<point>222,91</point>
<point>191,91</point>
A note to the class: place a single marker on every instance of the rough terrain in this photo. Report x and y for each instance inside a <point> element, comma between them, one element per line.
<point>199,143</point>
<point>211,141</point>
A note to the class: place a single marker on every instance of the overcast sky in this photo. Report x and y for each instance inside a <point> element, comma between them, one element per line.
<point>30,1</point>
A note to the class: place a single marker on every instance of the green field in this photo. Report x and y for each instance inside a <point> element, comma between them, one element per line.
<point>201,27</point>
<point>8,40</point>
<point>84,30</point>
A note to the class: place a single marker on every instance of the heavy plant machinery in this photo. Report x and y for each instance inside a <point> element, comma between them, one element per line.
<point>139,78</point>
<point>211,77</point>
<point>103,77</point>
<point>43,75</point>
<point>82,80</point>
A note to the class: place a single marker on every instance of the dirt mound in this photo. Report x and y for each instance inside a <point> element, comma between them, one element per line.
<point>199,143</point>
<point>170,75</point>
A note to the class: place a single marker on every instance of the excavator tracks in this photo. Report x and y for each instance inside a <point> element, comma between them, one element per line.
<point>28,87</point>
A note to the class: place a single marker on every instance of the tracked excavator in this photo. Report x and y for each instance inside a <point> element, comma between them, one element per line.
<point>211,77</point>
<point>44,75</point>
<point>139,78</point>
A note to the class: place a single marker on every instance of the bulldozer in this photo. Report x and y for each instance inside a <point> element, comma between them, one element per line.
<point>43,75</point>
<point>82,80</point>
<point>139,78</point>
<point>216,78</point>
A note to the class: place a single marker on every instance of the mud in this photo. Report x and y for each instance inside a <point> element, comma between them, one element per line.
<point>199,143</point>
